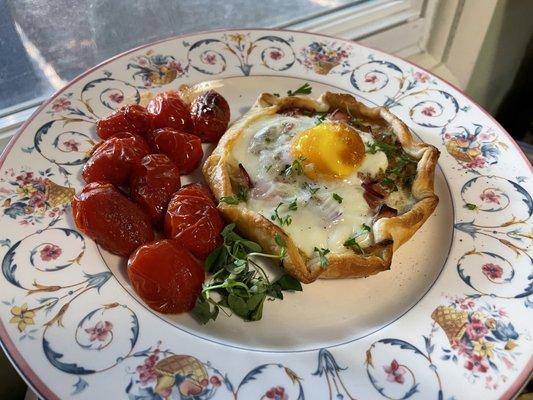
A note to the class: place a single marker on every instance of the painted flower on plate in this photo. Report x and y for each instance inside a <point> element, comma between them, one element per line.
<point>276,393</point>
<point>395,372</point>
<point>492,271</point>
<point>22,317</point>
<point>50,252</point>
<point>476,329</point>
<point>61,104</point>
<point>100,331</point>
<point>489,196</point>
<point>72,144</point>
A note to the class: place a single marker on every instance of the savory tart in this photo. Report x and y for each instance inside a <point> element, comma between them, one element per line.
<point>340,186</point>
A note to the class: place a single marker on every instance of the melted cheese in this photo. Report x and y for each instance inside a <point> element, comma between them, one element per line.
<point>264,149</point>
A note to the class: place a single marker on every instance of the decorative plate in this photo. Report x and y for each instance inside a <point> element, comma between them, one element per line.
<point>451,320</point>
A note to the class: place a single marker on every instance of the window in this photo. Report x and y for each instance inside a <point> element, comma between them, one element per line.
<point>48,42</point>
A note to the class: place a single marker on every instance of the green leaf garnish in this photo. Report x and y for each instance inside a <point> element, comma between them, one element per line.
<point>281,244</point>
<point>320,117</point>
<point>470,206</point>
<point>310,188</point>
<point>365,227</point>
<point>337,198</point>
<point>294,168</point>
<point>287,220</point>
<point>240,196</point>
<point>304,89</point>
<point>293,206</point>
<point>322,256</point>
<point>240,283</point>
<point>356,121</point>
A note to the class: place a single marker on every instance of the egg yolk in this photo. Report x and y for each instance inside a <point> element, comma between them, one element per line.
<point>328,151</point>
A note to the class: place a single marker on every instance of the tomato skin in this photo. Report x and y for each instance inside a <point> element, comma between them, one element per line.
<point>198,190</point>
<point>166,276</point>
<point>169,111</point>
<point>152,183</point>
<point>104,214</point>
<point>132,118</point>
<point>182,148</point>
<point>113,159</point>
<point>194,222</point>
<point>210,116</point>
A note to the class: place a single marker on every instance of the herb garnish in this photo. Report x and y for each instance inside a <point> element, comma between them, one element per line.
<point>287,220</point>
<point>352,241</point>
<point>320,117</point>
<point>293,206</point>
<point>304,89</point>
<point>322,256</point>
<point>470,206</point>
<point>282,245</point>
<point>294,168</point>
<point>309,188</point>
<point>337,198</point>
<point>356,121</point>
<point>240,196</point>
<point>386,148</point>
<point>241,284</point>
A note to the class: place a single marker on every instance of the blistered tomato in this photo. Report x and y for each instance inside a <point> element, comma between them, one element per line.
<point>133,118</point>
<point>113,159</point>
<point>194,222</point>
<point>104,214</point>
<point>210,116</point>
<point>152,183</point>
<point>166,276</point>
<point>182,148</point>
<point>169,111</point>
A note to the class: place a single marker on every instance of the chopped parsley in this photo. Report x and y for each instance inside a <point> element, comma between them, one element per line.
<point>310,188</point>
<point>240,196</point>
<point>352,241</point>
<point>304,89</point>
<point>322,256</point>
<point>337,198</point>
<point>356,121</point>
<point>320,117</point>
<point>285,221</point>
<point>281,244</point>
<point>377,145</point>
<point>293,206</point>
<point>294,168</point>
<point>470,206</point>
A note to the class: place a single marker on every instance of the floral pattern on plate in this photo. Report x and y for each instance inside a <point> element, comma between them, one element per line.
<point>64,314</point>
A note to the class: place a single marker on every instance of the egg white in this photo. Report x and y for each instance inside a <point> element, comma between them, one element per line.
<point>320,221</point>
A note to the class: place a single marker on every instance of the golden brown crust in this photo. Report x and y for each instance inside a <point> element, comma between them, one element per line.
<point>389,233</point>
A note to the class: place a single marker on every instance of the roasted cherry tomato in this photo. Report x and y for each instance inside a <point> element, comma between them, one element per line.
<point>104,214</point>
<point>182,148</point>
<point>194,222</point>
<point>197,190</point>
<point>113,159</point>
<point>166,276</point>
<point>133,118</point>
<point>169,111</point>
<point>152,183</point>
<point>210,116</point>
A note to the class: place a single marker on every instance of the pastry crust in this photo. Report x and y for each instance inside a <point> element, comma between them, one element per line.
<point>389,233</point>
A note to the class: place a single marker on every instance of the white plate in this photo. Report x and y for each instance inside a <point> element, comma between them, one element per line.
<point>449,320</point>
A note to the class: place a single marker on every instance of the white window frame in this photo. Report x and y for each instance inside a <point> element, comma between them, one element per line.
<point>430,33</point>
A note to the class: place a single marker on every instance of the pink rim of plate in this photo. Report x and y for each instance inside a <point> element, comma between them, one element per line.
<point>9,347</point>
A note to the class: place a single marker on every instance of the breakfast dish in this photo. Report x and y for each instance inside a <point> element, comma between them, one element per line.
<point>451,318</point>
<point>342,184</point>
